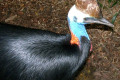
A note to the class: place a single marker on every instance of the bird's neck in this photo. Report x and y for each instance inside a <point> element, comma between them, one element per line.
<point>77,31</point>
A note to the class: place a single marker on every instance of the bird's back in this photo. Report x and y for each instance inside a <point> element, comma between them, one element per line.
<point>31,54</point>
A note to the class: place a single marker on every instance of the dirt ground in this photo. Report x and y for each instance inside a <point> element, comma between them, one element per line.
<point>104,61</point>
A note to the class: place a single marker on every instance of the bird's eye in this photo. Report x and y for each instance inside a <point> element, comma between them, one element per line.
<point>75,18</point>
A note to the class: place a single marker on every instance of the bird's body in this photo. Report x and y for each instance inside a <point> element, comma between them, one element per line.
<point>31,54</point>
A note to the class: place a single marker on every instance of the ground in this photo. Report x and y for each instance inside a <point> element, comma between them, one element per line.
<point>103,62</point>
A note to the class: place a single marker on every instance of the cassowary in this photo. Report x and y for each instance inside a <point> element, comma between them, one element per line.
<point>31,54</point>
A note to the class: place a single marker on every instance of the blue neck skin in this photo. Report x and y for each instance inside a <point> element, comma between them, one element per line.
<point>78,29</point>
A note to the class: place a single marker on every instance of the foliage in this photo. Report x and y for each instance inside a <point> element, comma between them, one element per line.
<point>112,3</point>
<point>115,16</point>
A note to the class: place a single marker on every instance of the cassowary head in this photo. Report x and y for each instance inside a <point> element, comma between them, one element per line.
<point>84,12</point>
<point>87,11</point>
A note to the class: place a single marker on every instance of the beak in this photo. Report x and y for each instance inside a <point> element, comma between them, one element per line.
<point>99,21</point>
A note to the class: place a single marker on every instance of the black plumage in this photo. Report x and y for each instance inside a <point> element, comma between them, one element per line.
<point>31,54</point>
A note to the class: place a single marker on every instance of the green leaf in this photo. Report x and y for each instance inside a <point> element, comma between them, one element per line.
<point>114,3</point>
<point>115,16</point>
<point>100,5</point>
<point>109,1</point>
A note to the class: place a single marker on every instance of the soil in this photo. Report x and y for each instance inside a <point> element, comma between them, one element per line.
<point>104,61</point>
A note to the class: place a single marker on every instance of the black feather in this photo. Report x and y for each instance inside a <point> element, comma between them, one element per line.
<point>31,54</point>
